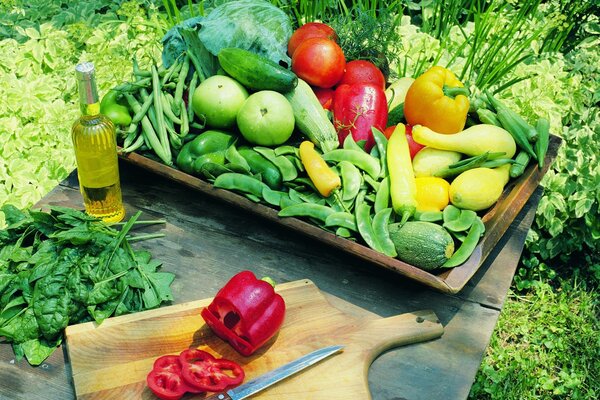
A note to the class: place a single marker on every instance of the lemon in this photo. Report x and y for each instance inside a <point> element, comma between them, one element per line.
<point>478,188</point>
<point>432,193</point>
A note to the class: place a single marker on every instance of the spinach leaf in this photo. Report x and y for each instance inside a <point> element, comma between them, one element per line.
<point>51,304</point>
<point>37,350</point>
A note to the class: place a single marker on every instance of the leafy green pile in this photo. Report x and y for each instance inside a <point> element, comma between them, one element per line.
<point>64,267</point>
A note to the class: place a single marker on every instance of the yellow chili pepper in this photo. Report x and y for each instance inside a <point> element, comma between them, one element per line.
<point>325,180</point>
<point>437,100</point>
<point>403,189</point>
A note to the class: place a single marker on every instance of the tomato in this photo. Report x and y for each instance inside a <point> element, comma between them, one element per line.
<point>325,97</point>
<point>165,379</point>
<point>310,30</point>
<point>205,372</point>
<point>413,146</point>
<point>362,71</point>
<point>319,61</point>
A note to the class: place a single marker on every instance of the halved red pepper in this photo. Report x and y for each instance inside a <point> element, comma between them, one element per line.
<point>356,109</point>
<point>205,372</point>
<point>246,312</point>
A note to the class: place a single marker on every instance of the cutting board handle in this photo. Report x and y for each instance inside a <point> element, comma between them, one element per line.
<point>380,335</point>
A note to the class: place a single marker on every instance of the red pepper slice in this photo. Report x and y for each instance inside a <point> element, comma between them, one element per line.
<point>207,373</point>
<point>165,379</point>
<point>246,312</point>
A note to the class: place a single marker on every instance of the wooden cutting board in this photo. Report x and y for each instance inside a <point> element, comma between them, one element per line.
<point>112,360</point>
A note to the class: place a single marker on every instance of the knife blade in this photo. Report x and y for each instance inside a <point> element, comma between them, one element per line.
<point>264,381</point>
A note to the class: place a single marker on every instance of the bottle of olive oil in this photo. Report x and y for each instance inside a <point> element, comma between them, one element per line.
<point>95,143</point>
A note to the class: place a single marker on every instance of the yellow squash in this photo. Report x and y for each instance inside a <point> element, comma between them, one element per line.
<point>472,141</point>
<point>478,188</point>
<point>428,161</point>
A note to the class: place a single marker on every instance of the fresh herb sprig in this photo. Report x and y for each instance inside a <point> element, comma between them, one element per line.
<point>65,267</point>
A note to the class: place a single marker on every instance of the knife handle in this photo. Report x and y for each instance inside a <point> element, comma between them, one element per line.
<point>218,396</point>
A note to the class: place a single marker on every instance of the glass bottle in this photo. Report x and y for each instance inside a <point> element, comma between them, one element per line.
<point>95,143</point>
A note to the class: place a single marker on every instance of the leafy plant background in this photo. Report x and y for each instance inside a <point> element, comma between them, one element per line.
<point>546,344</point>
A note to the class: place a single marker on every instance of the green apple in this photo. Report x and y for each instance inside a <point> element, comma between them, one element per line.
<point>266,118</point>
<point>218,99</point>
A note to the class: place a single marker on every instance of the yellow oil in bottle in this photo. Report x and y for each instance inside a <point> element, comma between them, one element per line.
<point>94,141</point>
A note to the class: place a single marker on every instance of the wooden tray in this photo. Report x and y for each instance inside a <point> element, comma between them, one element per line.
<point>497,220</point>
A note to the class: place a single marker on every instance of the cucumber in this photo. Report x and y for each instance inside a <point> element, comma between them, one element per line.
<point>424,245</point>
<point>256,72</point>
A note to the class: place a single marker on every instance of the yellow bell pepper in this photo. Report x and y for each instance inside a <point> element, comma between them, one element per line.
<point>437,100</point>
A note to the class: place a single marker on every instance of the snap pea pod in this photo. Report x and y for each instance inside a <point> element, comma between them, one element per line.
<point>303,183</point>
<point>310,210</point>
<point>351,180</point>
<point>382,197</point>
<point>343,219</point>
<point>371,182</point>
<point>294,195</point>
<point>450,213</point>
<point>240,182</point>
<point>234,156</point>
<point>365,226</point>
<point>252,197</point>
<point>465,220</point>
<point>286,150</point>
<point>360,159</point>
<point>381,142</point>
<point>428,216</point>
<point>285,201</point>
<point>212,170</point>
<point>271,196</point>
<point>350,144</point>
<point>381,222</point>
<point>296,162</point>
<point>374,152</point>
<point>287,169</point>
<point>343,232</point>
<point>467,247</point>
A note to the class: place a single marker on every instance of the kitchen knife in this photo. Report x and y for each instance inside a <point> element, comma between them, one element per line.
<point>257,384</point>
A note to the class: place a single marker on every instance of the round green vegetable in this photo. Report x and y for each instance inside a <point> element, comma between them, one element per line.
<point>423,244</point>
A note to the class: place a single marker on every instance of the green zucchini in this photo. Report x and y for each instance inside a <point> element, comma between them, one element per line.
<point>311,118</point>
<point>256,72</point>
<point>424,245</point>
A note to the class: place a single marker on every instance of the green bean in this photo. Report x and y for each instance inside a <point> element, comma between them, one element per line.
<point>541,145</point>
<point>287,169</point>
<point>241,183</point>
<point>130,135</point>
<point>137,71</point>
<point>133,86</point>
<point>359,158</point>
<point>185,123</point>
<point>133,146</point>
<point>145,106</point>
<point>365,227</point>
<point>172,70</point>
<point>191,89</point>
<point>382,197</point>
<point>463,222</point>
<point>183,73</point>
<point>381,142</point>
<point>148,131</point>
<point>168,110</point>
<point>351,180</point>
<point>350,144</point>
<point>160,117</point>
<point>309,210</point>
<point>343,219</point>
<point>381,232</point>
<point>467,247</point>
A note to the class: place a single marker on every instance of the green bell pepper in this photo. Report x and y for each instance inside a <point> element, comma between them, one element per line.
<point>209,146</point>
<point>114,106</point>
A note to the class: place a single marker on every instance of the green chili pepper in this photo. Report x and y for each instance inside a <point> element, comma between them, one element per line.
<point>381,222</point>
<point>310,210</point>
<point>467,247</point>
<point>360,159</point>
<point>240,182</point>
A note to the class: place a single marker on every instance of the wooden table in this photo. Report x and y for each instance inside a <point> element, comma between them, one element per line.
<point>207,242</point>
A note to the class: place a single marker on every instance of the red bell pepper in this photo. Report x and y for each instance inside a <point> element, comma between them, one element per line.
<point>165,379</point>
<point>207,373</point>
<point>246,312</point>
<point>356,109</point>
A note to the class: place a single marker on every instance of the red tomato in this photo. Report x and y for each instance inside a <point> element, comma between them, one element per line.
<point>413,146</point>
<point>362,71</point>
<point>319,61</point>
<point>325,97</point>
<point>310,30</point>
<point>203,371</point>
